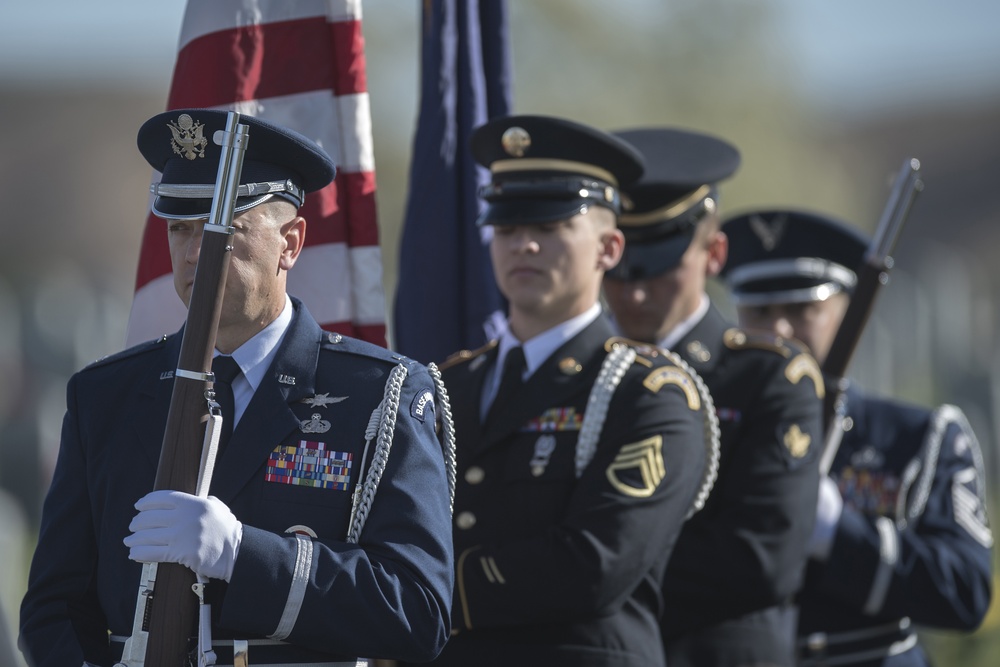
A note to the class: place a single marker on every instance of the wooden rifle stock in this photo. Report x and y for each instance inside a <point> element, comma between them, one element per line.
<point>872,275</point>
<point>173,606</point>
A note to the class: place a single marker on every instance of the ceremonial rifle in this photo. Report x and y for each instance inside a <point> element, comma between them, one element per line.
<point>168,592</point>
<point>872,275</point>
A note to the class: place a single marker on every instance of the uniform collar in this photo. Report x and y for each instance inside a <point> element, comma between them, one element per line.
<point>683,328</point>
<point>541,347</point>
<point>255,356</point>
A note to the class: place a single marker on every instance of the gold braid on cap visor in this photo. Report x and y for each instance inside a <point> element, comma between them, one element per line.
<point>671,210</point>
<point>540,164</point>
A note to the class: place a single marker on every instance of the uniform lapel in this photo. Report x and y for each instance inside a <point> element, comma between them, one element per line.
<point>150,416</point>
<point>269,419</point>
<point>551,385</point>
<point>465,390</point>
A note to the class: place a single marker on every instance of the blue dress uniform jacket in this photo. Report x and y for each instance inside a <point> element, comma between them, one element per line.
<point>389,595</point>
<point>913,544</point>
<point>739,562</point>
<point>552,569</point>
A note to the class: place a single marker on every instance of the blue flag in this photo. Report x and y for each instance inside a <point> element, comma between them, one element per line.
<point>447,299</point>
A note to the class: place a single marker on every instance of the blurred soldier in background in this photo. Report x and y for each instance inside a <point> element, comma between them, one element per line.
<point>901,536</point>
<point>578,462</point>
<point>730,582</point>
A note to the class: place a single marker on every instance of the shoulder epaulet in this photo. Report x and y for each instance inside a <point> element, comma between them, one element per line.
<point>801,363</point>
<point>133,351</point>
<point>337,342</point>
<point>466,355</point>
<point>645,353</point>
<point>738,339</point>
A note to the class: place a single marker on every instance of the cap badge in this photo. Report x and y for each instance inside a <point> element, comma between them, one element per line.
<point>188,140</point>
<point>769,233</point>
<point>516,141</point>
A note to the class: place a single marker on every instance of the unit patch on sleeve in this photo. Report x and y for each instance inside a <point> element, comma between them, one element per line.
<point>805,366</point>
<point>422,403</point>
<point>309,464</point>
<point>673,375</point>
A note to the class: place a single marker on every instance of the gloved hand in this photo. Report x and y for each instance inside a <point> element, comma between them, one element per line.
<point>174,527</point>
<point>829,506</point>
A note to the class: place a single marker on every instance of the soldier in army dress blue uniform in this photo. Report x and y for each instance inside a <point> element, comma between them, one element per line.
<point>902,538</point>
<point>284,575</point>
<point>729,586</point>
<point>574,481</point>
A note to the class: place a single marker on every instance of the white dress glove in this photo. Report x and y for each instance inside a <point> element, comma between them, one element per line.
<point>174,527</point>
<point>829,506</point>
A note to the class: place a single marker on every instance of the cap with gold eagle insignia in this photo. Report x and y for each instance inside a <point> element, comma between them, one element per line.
<point>545,169</point>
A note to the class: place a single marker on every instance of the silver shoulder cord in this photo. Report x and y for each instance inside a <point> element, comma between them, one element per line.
<point>713,435</point>
<point>610,376</point>
<point>382,424</point>
<point>134,652</point>
<point>447,431</point>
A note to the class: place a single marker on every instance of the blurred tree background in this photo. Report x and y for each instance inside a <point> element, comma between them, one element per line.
<point>74,197</point>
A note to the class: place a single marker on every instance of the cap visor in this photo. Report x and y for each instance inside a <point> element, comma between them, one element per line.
<point>531,211</point>
<point>651,258</point>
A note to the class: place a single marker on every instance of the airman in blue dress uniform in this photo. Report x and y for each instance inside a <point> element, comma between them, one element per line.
<point>574,481</point>
<point>272,538</point>
<point>902,538</point>
<point>729,586</point>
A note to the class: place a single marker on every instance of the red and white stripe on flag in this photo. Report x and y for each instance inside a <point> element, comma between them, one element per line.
<point>299,64</point>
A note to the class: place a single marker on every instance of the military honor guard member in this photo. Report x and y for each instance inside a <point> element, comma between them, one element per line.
<point>579,454</point>
<point>902,538</point>
<point>272,538</point>
<point>737,564</point>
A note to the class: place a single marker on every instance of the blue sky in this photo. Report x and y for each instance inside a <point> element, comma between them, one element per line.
<point>851,53</point>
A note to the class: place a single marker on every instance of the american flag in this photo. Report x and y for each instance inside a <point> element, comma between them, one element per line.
<point>302,65</point>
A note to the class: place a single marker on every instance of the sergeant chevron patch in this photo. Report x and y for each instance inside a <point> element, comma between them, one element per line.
<point>638,469</point>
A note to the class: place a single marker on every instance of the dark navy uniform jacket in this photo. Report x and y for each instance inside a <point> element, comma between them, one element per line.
<point>552,569</point>
<point>389,595</point>
<point>739,561</point>
<point>913,543</point>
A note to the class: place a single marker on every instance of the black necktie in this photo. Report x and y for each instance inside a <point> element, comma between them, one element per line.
<point>510,381</point>
<point>226,370</point>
